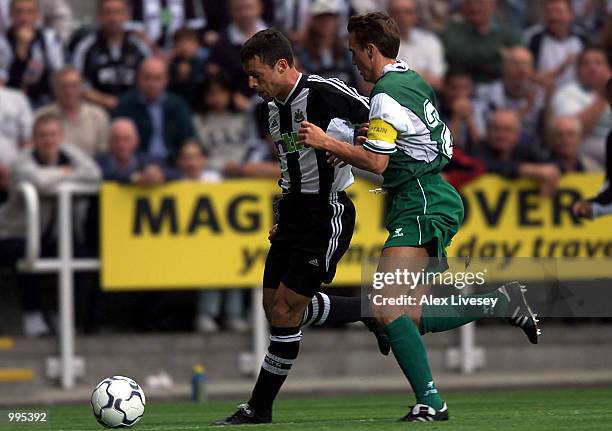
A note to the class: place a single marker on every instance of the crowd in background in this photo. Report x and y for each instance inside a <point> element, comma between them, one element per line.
<point>154,92</point>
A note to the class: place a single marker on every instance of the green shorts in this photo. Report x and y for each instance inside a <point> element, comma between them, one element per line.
<point>425,212</point>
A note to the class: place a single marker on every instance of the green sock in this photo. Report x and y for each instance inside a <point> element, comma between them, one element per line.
<point>440,318</point>
<point>411,356</point>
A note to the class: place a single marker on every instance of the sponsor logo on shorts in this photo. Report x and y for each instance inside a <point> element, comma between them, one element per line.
<point>398,232</point>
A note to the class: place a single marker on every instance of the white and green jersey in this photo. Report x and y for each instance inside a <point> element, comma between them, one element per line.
<point>405,124</point>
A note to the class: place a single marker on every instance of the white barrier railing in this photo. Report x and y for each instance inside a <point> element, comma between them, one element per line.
<point>66,264</point>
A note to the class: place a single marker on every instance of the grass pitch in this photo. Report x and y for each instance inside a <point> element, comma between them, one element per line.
<point>532,410</point>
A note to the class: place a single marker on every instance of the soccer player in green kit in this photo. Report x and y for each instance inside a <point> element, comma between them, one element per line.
<point>409,145</point>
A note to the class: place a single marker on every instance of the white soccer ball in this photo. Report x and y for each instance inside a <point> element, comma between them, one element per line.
<point>118,402</point>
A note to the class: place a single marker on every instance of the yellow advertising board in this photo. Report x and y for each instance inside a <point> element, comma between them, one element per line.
<point>193,235</point>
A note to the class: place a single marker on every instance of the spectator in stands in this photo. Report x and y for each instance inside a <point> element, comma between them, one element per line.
<point>586,99</point>
<point>458,110</point>
<point>323,52</point>
<point>187,66</point>
<point>435,14</point>
<point>502,155</point>
<point>109,58</point>
<point>564,139</point>
<point>554,44</point>
<point>518,91</point>
<point>163,119</point>
<point>475,45</point>
<point>517,15</point>
<point>261,159</point>
<point>123,163</point>
<point>600,205</point>
<point>32,53</point>
<point>85,125</point>
<point>15,133</point>
<point>157,20</point>
<point>55,14</point>
<point>291,17</point>
<point>47,165</point>
<point>192,162</point>
<point>216,15</point>
<point>246,20</point>
<point>220,127</point>
<point>420,48</point>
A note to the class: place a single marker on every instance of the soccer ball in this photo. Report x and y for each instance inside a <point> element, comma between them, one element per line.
<point>118,402</point>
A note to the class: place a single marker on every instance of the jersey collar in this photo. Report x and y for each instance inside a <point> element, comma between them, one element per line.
<point>294,91</point>
<point>398,66</point>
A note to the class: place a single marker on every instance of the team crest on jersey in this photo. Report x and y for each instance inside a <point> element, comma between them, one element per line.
<point>298,116</point>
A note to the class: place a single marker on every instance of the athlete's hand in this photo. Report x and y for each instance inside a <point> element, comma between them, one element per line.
<point>273,232</point>
<point>583,209</point>
<point>312,136</point>
<point>333,160</point>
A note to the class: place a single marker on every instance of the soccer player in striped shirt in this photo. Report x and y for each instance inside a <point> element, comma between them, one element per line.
<point>316,217</point>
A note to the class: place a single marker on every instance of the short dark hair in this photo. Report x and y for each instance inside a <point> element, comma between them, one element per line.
<point>456,73</point>
<point>195,142</point>
<point>588,50</point>
<point>270,46</point>
<point>378,29</point>
<point>14,3</point>
<point>185,33</point>
<point>203,88</point>
<point>101,4</point>
<point>48,117</point>
<point>567,2</point>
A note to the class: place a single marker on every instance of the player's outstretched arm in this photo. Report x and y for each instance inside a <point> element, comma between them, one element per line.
<point>357,156</point>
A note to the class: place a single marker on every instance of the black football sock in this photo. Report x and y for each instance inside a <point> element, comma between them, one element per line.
<point>328,309</point>
<point>282,352</point>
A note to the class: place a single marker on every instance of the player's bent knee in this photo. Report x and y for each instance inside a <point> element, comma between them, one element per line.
<point>283,315</point>
<point>386,315</point>
<point>385,320</point>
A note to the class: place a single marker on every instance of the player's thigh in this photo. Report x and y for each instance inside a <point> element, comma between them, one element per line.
<point>427,214</point>
<point>289,276</point>
<point>336,234</point>
<point>277,263</point>
<point>403,264</point>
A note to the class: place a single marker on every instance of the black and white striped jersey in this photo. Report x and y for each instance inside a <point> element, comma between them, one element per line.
<point>160,19</point>
<point>111,70</point>
<point>318,100</point>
